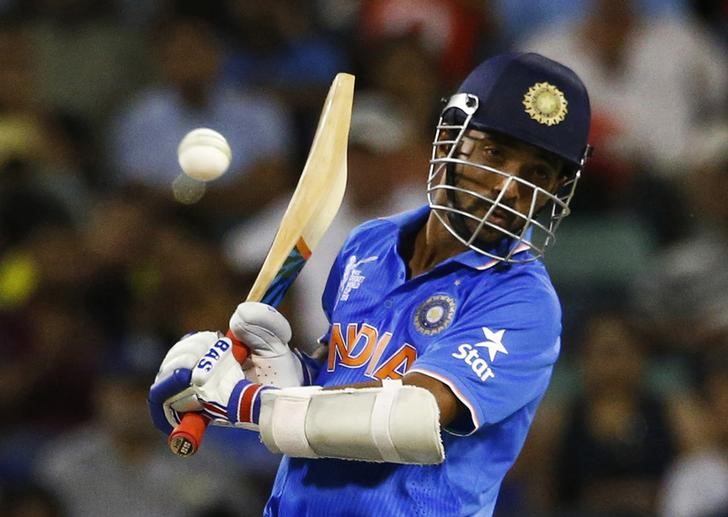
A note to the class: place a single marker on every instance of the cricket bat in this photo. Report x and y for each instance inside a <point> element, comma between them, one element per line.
<point>311,210</point>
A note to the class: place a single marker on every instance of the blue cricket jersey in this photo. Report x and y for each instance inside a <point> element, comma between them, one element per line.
<point>487,330</point>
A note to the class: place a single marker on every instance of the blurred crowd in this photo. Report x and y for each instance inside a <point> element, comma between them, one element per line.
<point>108,254</point>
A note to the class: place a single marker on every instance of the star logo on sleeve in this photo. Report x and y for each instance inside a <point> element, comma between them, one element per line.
<point>493,342</point>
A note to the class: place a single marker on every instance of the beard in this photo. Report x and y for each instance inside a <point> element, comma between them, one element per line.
<point>500,226</point>
<point>502,223</point>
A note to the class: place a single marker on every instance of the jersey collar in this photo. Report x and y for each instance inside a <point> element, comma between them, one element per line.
<point>412,220</point>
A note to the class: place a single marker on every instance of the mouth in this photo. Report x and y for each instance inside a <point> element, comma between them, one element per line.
<point>500,217</point>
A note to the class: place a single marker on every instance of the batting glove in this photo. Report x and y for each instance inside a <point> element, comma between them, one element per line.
<point>223,392</point>
<point>215,387</point>
<point>266,332</point>
<point>186,352</point>
<point>174,375</point>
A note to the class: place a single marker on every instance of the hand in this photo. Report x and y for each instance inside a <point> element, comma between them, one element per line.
<point>215,386</point>
<point>223,393</point>
<point>266,333</point>
<point>264,330</point>
<point>173,379</point>
<point>186,352</point>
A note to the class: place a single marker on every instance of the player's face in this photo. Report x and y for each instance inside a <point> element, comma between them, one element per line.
<point>513,170</point>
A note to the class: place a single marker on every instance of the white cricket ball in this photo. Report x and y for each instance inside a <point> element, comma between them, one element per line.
<point>204,154</point>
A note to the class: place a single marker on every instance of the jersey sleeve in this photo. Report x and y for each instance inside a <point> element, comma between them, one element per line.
<point>331,291</point>
<point>498,356</point>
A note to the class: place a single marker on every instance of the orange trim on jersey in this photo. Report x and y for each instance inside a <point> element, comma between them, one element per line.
<point>492,262</point>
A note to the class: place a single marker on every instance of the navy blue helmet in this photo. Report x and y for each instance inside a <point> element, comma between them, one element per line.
<point>526,97</point>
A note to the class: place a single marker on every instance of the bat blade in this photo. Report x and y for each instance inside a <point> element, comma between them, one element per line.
<point>312,208</point>
<point>318,194</point>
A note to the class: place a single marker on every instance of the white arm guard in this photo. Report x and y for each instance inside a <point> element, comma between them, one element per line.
<point>394,423</point>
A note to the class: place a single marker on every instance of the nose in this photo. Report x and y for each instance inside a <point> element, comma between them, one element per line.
<point>508,186</point>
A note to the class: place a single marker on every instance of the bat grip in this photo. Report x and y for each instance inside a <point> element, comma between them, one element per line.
<point>186,438</point>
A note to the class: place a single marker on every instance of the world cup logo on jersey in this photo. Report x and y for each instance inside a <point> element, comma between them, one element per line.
<point>435,314</point>
<point>352,277</point>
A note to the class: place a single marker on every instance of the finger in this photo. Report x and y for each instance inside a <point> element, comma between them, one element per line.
<point>187,360</point>
<point>207,365</point>
<point>192,345</point>
<point>185,401</point>
<point>257,323</point>
<point>169,386</point>
<point>159,417</point>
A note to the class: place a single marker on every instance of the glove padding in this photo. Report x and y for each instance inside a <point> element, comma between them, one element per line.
<point>174,375</point>
<point>191,362</point>
<point>172,384</point>
<point>221,390</point>
<point>215,387</point>
<point>266,332</point>
<point>262,328</point>
<point>186,352</point>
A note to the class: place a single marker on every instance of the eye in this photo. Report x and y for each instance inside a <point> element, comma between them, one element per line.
<point>492,152</point>
<point>540,175</point>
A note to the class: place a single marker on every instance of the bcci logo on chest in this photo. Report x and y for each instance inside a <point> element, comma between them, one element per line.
<point>434,315</point>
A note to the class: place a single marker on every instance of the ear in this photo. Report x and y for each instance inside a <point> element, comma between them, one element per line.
<point>566,175</point>
<point>561,180</point>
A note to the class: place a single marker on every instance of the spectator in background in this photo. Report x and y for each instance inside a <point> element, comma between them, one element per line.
<point>143,145</point>
<point>87,63</point>
<point>277,46</point>
<point>682,299</point>
<point>194,283</point>
<point>518,20</point>
<point>603,440</point>
<point>696,484</point>
<point>41,174</point>
<point>118,238</point>
<point>457,33</point>
<point>50,347</point>
<point>116,466</point>
<point>141,256</point>
<point>653,80</point>
<point>403,68</point>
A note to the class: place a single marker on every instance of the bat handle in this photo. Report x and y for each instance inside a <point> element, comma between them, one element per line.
<point>185,439</point>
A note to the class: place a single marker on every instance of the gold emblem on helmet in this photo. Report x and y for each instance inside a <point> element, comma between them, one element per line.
<point>545,104</point>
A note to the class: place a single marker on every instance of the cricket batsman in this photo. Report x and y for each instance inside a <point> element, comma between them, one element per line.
<point>444,326</point>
